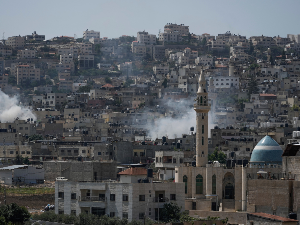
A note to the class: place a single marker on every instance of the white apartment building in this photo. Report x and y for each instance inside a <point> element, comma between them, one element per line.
<point>204,60</point>
<point>34,36</point>
<point>25,72</point>
<point>26,54</point>
<point>226,82</point>
<point>91,34</point>
<point>145,38</point>
<point>126,68</point>
<point>65,59</point>
<point>132,201</point>
<point>170,37</point>
<point>263,41</point>
<point>86,61</point>
<point>86,48</point>
<point>54,99</point>
<point>166,161</point>
<point>181,28</point>
<point>73,50</point>
<point>5,50</point>
<point>139,49</point>
<point>161,69</point>
<point>17,42</point>
<point>294,37</point>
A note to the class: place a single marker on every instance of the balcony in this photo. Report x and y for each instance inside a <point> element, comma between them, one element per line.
<point>160,199</point>
<point>93,199</point>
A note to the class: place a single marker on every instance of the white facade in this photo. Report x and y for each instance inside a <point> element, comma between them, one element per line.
<point>27,54</point>
<point>123,200</point>
<point>145,38</point>
<point>91,34</point>
<point>226,82</point>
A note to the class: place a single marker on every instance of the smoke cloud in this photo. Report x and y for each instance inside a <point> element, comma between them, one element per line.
<point>10,109</point>
<point>180,117</point>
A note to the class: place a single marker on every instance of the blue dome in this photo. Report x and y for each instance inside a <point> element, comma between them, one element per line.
<point>267,151</point>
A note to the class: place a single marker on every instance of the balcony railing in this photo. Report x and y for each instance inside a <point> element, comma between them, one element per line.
<point>93,199</point>
<point>158,199</point>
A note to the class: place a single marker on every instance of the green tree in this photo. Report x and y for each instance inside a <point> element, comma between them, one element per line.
<point>170,212</point>
<point>108,80</point>
<point>35,137</point>
<point>86,88</point>
<point>204,41</point>
<point>165,83</point>
<point>217,155</point>
<point>98,49</point>
<point>252,86</point>
<point>12,80</point>
<point>14,213</point>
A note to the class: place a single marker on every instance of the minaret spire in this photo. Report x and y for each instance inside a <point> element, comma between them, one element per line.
<point>202,108</point>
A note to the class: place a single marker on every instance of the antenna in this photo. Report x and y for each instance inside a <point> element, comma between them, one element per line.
<point>3,36</point>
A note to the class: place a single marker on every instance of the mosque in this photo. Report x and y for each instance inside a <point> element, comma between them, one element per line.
<point>268,184</point>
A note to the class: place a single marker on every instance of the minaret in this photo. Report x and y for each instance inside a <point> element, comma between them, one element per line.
<point>202,108</point>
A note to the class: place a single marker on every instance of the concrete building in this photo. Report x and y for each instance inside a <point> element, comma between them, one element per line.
<point>88,34</point>
<point>35,37</point>
<point>86,61</point>
<point>26,54</point>
<point>16,42</point>
<point>132,201</point>
<point>80,171</point>
<point>180,28</point>
<point>27,72</point>
<point>5,50</point>
<point>166,161</point>
<point>145,38</point>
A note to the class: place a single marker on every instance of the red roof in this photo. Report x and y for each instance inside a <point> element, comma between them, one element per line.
<point>273,217</point>
<point>134,171</point>
<point>107,86</point>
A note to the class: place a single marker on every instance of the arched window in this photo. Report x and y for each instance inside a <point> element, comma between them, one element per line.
<point>199,184</point>
<point>185,183</point>
<point>201,100</point>
<point>214,185</point>
<point>202,140</point>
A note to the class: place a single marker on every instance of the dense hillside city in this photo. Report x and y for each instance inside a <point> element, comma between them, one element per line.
<point>134,126</point>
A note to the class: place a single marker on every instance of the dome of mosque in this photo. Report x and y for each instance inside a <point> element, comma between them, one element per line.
<point>267,151</point>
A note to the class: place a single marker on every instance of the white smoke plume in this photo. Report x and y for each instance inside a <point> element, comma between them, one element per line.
<point>175,126</point>
<point>180,118</point>
<point>10,109</point>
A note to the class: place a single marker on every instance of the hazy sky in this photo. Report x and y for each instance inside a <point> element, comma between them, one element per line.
<point>114,18</point>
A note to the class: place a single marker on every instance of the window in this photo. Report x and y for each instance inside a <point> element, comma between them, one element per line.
<point>125,215</point>
<point>125,197</point>
<point>112,214</point>
<point>99,153</point>
<point>202,140</point>
<point>174,160</point>
<point>185,179</point>
<point>22,152</point>
<point>73,212</point>
<point>214,185</point>
<point>11,152</point>
<point>61,195</point>
<point>73,195</point>
<point>142,198</point>
<point>112,197</point>
<point>172,196</point>
<point>199,184</point>
<point>141,215</point>
<point>247,149</point>
<point>83,151</point>
<point>202,129</point>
